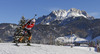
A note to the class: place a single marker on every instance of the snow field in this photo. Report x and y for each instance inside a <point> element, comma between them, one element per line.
<point>10,48</point>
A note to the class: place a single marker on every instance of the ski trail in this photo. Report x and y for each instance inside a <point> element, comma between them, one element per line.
<point>9,48</point>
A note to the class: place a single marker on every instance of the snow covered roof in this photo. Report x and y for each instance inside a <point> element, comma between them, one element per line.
<point>70,38</point>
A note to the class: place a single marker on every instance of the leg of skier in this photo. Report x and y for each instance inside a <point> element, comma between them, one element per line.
<point>30,37</point>
<point>20,39</point>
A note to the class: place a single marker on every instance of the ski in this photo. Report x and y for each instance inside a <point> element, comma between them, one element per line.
<point>16,45</point>
<point>28,45</point>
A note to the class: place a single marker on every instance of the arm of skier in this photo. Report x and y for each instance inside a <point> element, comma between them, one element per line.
<point>26,24</point>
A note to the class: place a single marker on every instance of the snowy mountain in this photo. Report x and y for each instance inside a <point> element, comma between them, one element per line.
<point>58,23</point>
<point>73,12</point>
<point>60,15</point>
<point>76,12</point>
<point>10,48</point>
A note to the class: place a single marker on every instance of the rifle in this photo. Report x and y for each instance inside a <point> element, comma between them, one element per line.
<point>29,21</point>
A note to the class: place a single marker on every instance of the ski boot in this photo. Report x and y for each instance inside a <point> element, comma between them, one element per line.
<point>28,43</point>
<point>17,42</point>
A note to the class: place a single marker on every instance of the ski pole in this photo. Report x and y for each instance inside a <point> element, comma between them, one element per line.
<point>34,16</point>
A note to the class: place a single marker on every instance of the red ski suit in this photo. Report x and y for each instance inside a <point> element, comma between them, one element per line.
<point>28,25</point>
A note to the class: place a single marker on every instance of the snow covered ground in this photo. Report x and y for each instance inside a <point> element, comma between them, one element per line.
<point>10,48</point>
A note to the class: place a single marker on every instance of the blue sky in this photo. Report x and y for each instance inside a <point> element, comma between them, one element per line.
<point>12,10</point>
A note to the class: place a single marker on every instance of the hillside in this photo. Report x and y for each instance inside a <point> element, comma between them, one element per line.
<point>58,23</point>
<point>7,31</point>
<point>10,48</point>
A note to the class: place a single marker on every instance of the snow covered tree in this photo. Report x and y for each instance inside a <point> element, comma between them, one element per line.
<point>22,21</point>
<point>19,31</point>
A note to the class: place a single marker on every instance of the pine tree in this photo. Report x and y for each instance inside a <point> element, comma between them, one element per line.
<point>22,21</point>
<point>19,30</point>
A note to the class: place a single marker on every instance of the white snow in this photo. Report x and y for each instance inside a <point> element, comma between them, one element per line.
<point>73,12</point>
<point>11,25</point>
<point>2,28</point>
<point>60,13</point>
<point>47,23</point>
<point>9,48</point>
<point>70,38</point>
<point>64,14</point>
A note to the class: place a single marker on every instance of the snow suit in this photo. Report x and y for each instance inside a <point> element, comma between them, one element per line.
<point>27,27</point>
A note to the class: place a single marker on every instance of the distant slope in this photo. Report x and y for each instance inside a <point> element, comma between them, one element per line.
<point>96,39</point>
<point>9,48</point>
<point>7,31</point>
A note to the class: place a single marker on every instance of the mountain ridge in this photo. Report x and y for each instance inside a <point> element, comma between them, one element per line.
<point>62,15</point>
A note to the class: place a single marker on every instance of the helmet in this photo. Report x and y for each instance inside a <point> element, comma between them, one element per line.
<point>33,20</point>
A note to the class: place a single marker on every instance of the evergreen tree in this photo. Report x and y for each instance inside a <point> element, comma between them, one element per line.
<point>19,30</point>
<point>22,21</point>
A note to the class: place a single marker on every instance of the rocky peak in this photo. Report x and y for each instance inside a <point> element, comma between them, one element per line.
<point>59,13</point>
<point>73,12</point>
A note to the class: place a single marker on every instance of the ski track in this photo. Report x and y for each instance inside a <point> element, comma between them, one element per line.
<point>10,48</point>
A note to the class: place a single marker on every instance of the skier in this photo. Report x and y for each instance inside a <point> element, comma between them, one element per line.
<point>27,27</point>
